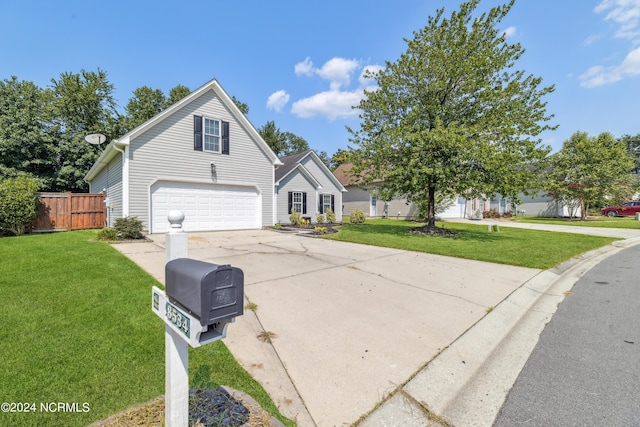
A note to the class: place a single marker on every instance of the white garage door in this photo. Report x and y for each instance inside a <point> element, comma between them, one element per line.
<point>455,209</point>
<point>206,207</point>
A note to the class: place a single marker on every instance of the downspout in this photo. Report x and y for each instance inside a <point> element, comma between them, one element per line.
<point>125,179</point>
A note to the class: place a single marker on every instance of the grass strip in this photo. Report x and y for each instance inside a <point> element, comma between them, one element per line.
<point>592,221</point>
<point>512,246</point>
<point>77,328</point>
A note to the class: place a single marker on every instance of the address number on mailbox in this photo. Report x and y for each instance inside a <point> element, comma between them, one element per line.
<point>184,324</point>
<point>176,317</point>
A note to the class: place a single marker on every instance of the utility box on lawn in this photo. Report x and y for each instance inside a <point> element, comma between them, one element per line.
<point>210,292</point>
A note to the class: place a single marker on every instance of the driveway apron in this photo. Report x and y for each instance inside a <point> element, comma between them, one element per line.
<point>346,324</point>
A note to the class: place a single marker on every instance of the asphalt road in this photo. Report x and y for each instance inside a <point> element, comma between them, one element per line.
<point>585,369</point>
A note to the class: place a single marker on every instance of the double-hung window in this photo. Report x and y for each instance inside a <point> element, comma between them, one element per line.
<point>211,135</point>
<point>296,201</point>
<point>326,202</point>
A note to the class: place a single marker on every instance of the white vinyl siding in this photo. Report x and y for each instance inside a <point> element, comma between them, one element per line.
<point>165,152</point>
<point>327,182</point>
<point>110,179</point>
<point>296,182</point>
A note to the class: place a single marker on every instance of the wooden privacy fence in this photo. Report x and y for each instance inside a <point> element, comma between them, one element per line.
<point>70,211</point>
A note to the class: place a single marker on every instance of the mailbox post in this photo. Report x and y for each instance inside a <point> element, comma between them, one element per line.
<point>200,301</point>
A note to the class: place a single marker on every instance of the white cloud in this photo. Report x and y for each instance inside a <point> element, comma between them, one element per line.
<point>598,76</point>
<point>591,39</point>
<point>339,101</point>
<point>625,13</point>
<point>333,104</point>
<point>338,71</point>
<point>631,64</point>
<point>510,32</point>
<point>304,68</point>
<point>277,100</point>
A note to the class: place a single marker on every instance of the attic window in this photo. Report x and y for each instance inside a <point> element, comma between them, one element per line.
<point>212,135</point>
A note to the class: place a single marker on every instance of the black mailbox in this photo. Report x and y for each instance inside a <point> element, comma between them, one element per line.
<point>208,291</point>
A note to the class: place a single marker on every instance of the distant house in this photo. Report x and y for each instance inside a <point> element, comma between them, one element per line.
<point>201,156</point>
<point>539,203</point>
<point>303,183</point>
<point>363,197</point>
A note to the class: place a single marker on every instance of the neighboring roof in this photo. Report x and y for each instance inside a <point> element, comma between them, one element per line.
<point>289,163</point>
<point>115,145</point>
<point>345,176</point>
<point>293,162</point>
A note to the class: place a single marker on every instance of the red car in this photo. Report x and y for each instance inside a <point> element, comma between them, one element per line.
<point>629,208</point>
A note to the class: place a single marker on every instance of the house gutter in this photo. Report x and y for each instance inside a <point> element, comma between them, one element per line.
<point>125,178</point>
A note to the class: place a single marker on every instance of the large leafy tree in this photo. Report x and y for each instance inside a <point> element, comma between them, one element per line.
<point>80,104</point>
<point>241,105</point>
<point>339,157</point>
<point>282,143</point>
<point>176,94</point>
<point>452,115</point>
<point>25,146</point>
<point>295,144</point>
<point>146,102</point>
<point>589,169</point>
<point>143,105</point>
<point>633,147</point>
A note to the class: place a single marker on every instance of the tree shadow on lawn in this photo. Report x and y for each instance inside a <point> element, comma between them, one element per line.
<point>472,232</point>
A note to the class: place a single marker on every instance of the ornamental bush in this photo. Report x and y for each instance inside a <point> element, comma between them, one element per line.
<point>319,218</point>
<point>295,218</point>
<point>357,217</point>
<point>18,204</point>
<point>107,234</point>
<point>128,228</point>
<point>331,216</point>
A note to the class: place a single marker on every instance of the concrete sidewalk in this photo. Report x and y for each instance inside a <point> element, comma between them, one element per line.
<point>621,233</point>
<point>358,327</point>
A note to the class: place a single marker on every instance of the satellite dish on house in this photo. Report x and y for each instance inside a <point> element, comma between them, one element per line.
<point>95,138</point>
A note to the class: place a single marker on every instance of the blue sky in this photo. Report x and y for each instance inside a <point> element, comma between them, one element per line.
<point>299,63</point>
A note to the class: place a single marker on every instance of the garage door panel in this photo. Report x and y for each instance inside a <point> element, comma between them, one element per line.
<point>206,207</point>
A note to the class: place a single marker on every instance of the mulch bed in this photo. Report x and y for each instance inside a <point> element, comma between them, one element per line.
<point>311,229</point>
<point>433,231</point>
<point>207,408</point>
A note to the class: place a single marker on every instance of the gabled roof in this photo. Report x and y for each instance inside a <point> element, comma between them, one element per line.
<point>289,163</point>
<point>344,174</point>
<point>117,144</point>
<point>294,162</point>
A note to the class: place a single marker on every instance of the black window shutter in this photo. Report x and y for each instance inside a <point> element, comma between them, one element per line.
<point>333,199</point>
<point>320,204</point>
<point>197,133</point>
<point>290,202</point>
<point>304,203</point>
<point>225,137</point>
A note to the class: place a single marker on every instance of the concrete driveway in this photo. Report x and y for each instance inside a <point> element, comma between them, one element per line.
<point>349,323</point>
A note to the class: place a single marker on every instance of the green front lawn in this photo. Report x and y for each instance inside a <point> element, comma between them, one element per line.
<point>592,221</point>
<point>526,248</point>
<point>77,327</point>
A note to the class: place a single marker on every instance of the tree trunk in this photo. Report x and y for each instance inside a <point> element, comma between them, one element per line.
<point>583,209</point>
<point>431,216</point>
